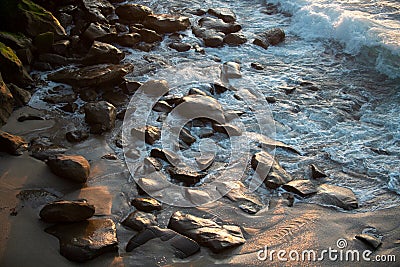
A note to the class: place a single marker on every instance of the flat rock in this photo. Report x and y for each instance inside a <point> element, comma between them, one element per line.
<point>336,196</point>
<point>226,14</point>
<point>206,232</point>
<point>230,130</point>
<point>103,53</point>
<point>300,187</point>
<point>91,76</point>
<point>235,39</point>
<point>146,204</point>
<point>164,23</point>
<point>72,167</point>
<point>12,144</point>
<point>132,13</point>
<point>86,240</point>
<point>183,245</point>
<point>166,155</point>
<point>219,25</point>
<point>194,106</point>
<point>100,116</point>
<point>139,220</point>
<point>66,211</point>
<point>185,175</point>
<point>270,170</point>
<point>155,87</point>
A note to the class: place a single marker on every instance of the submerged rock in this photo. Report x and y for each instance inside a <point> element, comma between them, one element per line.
<point>66,211</point>
<point>300,187</point>
<point>100,116</point>
<point>206,232</point>
<point>146,204</point>
<point>139,220</point>
<point>336,196</point>
<point>270,170</point>
<point>85,240</point>
<point>12,144</point>
<point>72,167</point>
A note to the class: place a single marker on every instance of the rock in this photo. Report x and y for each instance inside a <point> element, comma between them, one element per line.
<point>127,39</point>
<point>66,211</point>
<point>6,102</point>
<point>12,144</point>
<point>29,117</point>
<point>218,88</point>
<point>11,67</point>
<point>206,232</point>
<point>151,185</point>
<point>130,87</point>
<point>96,31</point>
<point>42,148</point>
<point>151,134</point>
<point>257,66</point>
<point>91,76</point>
<point>100,116</point>
<point>25,55</point>
<point>103,53</point>
<point>205,161</point>
<point>211,38</point>
<point>235,39</point>
<point>196,91</point>
<point>72,167</point>
<point>138,220</point>
<point>162,106</point>
<point>309,86</point>
<point>195,106</point>
<point>164,23</point>
<point>219,25</point>
<point>184,246</point>
<point>109,156</point>
<point>76,136</point>
<point>180,47</point>
<point>270,99</point>
<point>302,188</point>
<point>225,14</point>
<point>316,173</point>
<point>44,42</point>
<point>149,36</point>
<point>15,40</point>
<point>146,204</point>
<point>186,137</point>
<point>231,70</point>
<point>230,130</point>
<point>98,10</point>
<point>65,19</point>
<point>370,240</point>
<point>150,162</point>
<point>186,175</point>
<point>166,155</point>
<point>60,98</point>
<point>269,170</point>
<point>336,196</point>
<point>85,240</point>
<point>271,37</point>
<point>131,13</point>
<point>61,47</point>
<point>155,87</point>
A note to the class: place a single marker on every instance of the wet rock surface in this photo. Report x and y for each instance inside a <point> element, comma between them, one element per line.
<point>100,116</point>
<point>301,187</point>
<point>337,196</point>
<point>12,144</point>
<point>66,211</point>
<point>139,220</point>
<point>146,204</point>
<point>73,167</point>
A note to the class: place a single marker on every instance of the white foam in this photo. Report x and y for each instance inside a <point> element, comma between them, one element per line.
<point>354,29</point>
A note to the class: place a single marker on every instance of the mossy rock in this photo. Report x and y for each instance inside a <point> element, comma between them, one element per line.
<point>6,102</point>
<point>15,40</point>
<point>44,41</point>
<point>11,67</point>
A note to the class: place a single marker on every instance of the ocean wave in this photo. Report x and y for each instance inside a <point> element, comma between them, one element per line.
<point>372,35</point>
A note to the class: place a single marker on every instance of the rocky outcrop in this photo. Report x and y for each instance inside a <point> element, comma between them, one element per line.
<point>100,116</point>
<point>6,102</point>
<point>206,232</point>
<point>12,144</point>
<point>86,240</point>
<point>73,167</point>
<point>11,67</point>
<point>66,211</point>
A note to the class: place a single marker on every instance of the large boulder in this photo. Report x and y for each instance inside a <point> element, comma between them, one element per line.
<point>206,232</point>
<point>98,10</point>
<point>131,13</point>
<point>66,211</point>
<point>270,170</point>
<point>11,67</point>
<point>211,37</point>
<point>197,106</point>
<point>72,167</point>
<point>6,102</point>
<point>271,37</point>
<point>139,220</point>
<point>12,144</point>
<point>21,96</point>
<point>164,23</point>
<point>15,40</point>
<point>100,116</point>
<point>83,241</point>
<point>92,75</point>
<point>103,53</point>
<point>219,25</point>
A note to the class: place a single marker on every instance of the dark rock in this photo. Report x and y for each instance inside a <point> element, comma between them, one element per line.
<point>131,13</point>
<point>316,173</point>
<point>271,37</point>
<point>197,12</point>
<point>336,196</point>
<point>195,91</point>
<point>235,39</point>
<point>230,130</point>
<point>130,87</point>
<point>302,188</point>
<point>116,97</point>
<point>269,170</point>
<point>138,220</point>
<point>98,10</point>
<point>103,53</point>
<point>42,148</point>
<point>151,134</point>
<point>219,25</point>
<point>69,107</point>
<point>166,155</point>
<point>149,36</point>
<point>153,163</point>
<point>88,95</point>
<point>309,86</point>
<point>270,99</point>
<point>25,55</point>
<point>56,60</point>
<point>257,66</point>
<point>96,31</point>
<point>109,156</point>
<point>61,47</point>
<point>217,88</point>
<point>145,47</point>
<point>91,76</point>
<point>66,211</point>
<point>15,40</point>
<point>121,28</point>
<point>146,204</point>
<point>72,167</point>
<point>11,67</point>
<point>184,246</point>
<point>186,175</point>
<point>6,102</point>
<point>206,232</point>
<point>211,38</point>
<point>225,14</point>
<point>29,117</point>
<point>65,19</point>
<point>162,106</point>
<point>76,136</point>
<point>180,47</point>
<point>60,98</point>
<point>127,39</point>
<point>12,144</point>
<point>164,23</point>
<point>370,240</point>
<point>85,240</point>
<point>100,116</point>
<point>186,137</point>
<point>44,42</point>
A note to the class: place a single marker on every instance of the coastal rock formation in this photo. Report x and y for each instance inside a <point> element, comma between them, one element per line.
<point>139,220</point>
<point>66,211</point>
<point>194,106</point>
<point>206,232</point>
<point>146,204</point>
<point>6,102</point>
<point>164,23</point>
<point>271,37</point>
<point>103,53</point>
<point>12,144</point>
<point>100,116</point>
<point>300,187</point>
<point>83,241</point>
<point>73,167</point>
<point>12,68</point>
